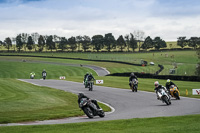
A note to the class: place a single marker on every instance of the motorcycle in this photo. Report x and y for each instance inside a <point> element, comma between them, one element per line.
<point>90,109</point>
<point>174,92</point>
<point>44,76</point>
<point>164,96</point>
<point>134,85</point>
<point>89,84</point>
<point>32,76</point>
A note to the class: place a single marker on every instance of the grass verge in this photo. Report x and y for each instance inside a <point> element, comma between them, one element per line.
<point>177,124</point>
<point>20,101</point>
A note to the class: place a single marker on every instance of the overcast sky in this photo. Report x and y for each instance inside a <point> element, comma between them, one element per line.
<point>168,19</point>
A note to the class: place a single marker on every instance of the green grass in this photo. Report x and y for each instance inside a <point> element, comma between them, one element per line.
<point>14,98</point>
<point>14,69</point>
<point>145,84</point>
<point>17,62</point>
<point>186,60</point>
<point>20,101</point>
<point>178,124</point>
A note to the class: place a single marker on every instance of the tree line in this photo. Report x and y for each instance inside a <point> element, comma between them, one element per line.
<point>130,41</point>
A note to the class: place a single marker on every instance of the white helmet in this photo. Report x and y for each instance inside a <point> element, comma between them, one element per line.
<point>156,83</point>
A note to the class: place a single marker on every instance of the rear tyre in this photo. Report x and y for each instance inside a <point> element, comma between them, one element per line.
<point>135,89</point>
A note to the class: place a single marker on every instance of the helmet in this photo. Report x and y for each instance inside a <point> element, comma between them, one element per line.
<point>156,83</point>
<point>87,73</point>
<point>132,74</point>
<point>44,70</point>
<point>80,95</point>
<point>168,80</point>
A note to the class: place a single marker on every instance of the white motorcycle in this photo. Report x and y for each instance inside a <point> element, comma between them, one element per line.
<point>164,96</point>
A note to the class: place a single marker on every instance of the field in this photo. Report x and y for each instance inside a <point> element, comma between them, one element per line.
<point>184,62</point>
<point>17,97</point>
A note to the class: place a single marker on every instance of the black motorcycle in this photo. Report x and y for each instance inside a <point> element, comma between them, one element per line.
<point>90,109</point>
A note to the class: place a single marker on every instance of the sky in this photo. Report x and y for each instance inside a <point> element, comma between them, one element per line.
<point>168,19</point>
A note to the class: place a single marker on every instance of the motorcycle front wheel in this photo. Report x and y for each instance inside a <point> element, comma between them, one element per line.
<point>166,100</point>
<point>101,113</point>
<point>88,112</point>
<point>176,95</point>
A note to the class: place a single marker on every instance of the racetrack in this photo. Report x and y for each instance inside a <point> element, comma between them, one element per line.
<point>126,103</point>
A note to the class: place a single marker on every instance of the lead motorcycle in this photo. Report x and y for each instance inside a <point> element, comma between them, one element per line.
<point>90,109</point>
<point>164,96</point>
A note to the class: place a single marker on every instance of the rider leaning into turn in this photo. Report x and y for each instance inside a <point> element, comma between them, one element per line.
<point>132,76</point>
<point>169,83</point>
<point>159,86</point>
<point>81,95</point>
<point>88,78</point>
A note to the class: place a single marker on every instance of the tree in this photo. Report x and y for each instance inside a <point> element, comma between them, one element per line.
<point>63,43</point>
<point>194,42</point>
<point>97,42</point>
<point>50,44</point>
<point>109,41</point>
<point>30,43</point>
<point>139,36</point>
<point>159,43</point>
<point>182,42</point>
<point>56,39</point>
<point>45,39</point>
<point>19,43</point>
<point>121,43</point>
<point>79,40</point>
<point>86,41</point>
<point>8,43</point>
<point>72,43</point>
<point>148,43</point>
<point>198,65</point>
<point>41,43</point>
<point>133,42</point>
<point>35,36</point>
<point>24,38</point>
<point>127,40</point>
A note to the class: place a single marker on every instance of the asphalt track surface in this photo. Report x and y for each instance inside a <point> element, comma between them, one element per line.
<point>125,103</point>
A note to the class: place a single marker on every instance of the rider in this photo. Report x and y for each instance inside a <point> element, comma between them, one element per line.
<point>159,86</point>
<point>44,73</point>
<point>132,76</point>
<point>32,74</point>
<point>88,78</point>
<point>169,83</point>
<point>85,76</point>
<point>81,95</point>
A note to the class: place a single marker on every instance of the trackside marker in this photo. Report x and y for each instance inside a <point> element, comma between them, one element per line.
<point>99,81</point>
<point>196,91</point>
